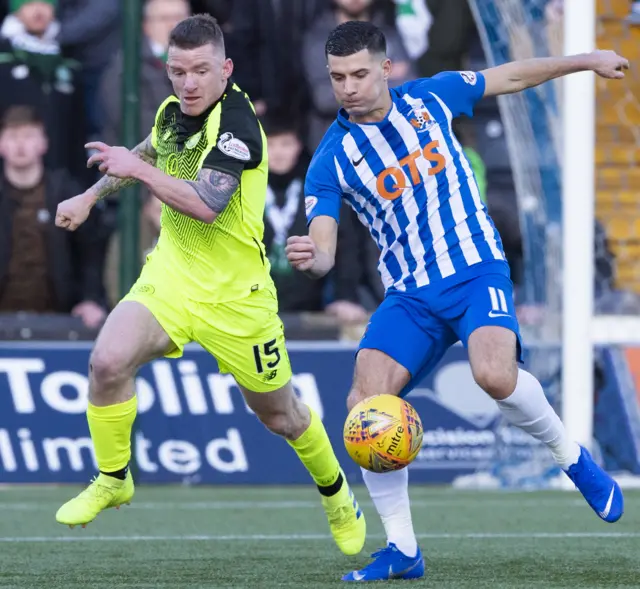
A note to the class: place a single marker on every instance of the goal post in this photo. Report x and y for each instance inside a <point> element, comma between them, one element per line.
<point>574,150</point>
<point>578,208</point>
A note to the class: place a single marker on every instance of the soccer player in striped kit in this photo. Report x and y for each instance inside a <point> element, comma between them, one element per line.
<point>392,155</point>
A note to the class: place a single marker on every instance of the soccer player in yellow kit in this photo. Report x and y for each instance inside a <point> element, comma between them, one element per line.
<point>206,281</point>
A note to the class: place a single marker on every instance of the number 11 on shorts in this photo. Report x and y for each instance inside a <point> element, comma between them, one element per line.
<point>498,303</point>
<point>269,349</point>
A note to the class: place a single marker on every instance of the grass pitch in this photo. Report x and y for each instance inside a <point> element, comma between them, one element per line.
<point>259,538</point>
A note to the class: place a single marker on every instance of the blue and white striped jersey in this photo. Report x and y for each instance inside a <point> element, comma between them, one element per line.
<point>410,183</point>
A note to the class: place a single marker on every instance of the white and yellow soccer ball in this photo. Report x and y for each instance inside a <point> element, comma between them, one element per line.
<point>383,433</point>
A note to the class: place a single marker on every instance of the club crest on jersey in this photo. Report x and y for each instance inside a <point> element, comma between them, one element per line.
<point>193,140</point>
<point>233,147</point>
<point>469,77</point>
<point>421,120</point>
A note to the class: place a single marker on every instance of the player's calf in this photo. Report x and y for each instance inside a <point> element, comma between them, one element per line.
<point>284,414</point>
<point>289,421</point>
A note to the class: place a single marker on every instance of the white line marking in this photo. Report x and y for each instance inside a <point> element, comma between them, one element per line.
<point>301,537</point>
<point>248,505</point>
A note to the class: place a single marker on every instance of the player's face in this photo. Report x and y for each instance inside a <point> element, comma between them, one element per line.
<point>199,76</point>
<point>23,146</point>
<point>359,81</point>
<point>284,151</point>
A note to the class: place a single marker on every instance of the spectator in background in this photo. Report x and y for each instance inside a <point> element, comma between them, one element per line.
<point>284,216</point>
<point>323,102</point>
<point>43,269</point>
<point>33,72</point>
<point>450,31</point>
<point>90,33</point>
<point>264,40</point>
<point>159,18</point>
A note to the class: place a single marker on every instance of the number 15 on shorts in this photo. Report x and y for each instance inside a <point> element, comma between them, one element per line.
<point>271,355</point>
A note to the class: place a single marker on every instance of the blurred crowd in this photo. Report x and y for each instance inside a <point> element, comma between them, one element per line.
<point>61,68</point>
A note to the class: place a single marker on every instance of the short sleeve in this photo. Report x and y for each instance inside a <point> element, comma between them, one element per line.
<point>322,191</point>
<point>238,143</point>
<point>460,91</point>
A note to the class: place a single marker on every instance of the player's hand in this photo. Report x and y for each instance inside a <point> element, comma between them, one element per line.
<point>301,252</point>
<point>608,64</point>
<point>73,212</point>
<point>113,161</point>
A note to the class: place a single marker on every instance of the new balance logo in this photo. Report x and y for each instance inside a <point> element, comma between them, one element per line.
<point>498,303</point>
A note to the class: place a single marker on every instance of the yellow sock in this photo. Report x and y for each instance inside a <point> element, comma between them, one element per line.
<point>315,452</point>
<point>110,429</point>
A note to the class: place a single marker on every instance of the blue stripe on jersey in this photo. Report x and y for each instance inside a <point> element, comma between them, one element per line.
<point>477,234</point>
<point>353,180</point>
<point>419,192</point>
<point>375,163</point>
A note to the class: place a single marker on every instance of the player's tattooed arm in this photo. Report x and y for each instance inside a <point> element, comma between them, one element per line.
<point>215,188</point>
<point>110,184</point>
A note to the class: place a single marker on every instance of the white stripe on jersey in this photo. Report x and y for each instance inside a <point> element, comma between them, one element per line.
<point>390,159</point>
<point>468,247</point>
<point>385,275</point>
<point>439,243</point>
<point>364,172</point>
<point>487,229</point>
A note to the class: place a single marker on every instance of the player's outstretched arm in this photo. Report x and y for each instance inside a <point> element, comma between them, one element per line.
<point>73,212</point>
<point>520,75</point>
<point>314,254</point>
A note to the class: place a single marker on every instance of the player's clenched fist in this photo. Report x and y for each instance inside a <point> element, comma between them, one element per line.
<point>301,252</point>
<point>73,212</point>
<point>608,64</point>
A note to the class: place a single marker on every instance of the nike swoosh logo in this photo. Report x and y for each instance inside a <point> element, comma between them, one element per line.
<point>400,574</point>
<point>494,314</point>
<point>607,507</point>
<point>358,576</point>
<point>358,162</point>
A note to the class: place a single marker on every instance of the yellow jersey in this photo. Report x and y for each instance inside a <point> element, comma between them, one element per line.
<point>225,260</point>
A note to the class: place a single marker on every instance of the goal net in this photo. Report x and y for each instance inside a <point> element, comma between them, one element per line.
<point>594,345</point>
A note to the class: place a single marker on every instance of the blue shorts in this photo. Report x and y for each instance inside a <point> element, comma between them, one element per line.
<point>416,328</point>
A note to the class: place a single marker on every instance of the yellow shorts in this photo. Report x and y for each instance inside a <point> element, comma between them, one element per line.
<point>245,336</point>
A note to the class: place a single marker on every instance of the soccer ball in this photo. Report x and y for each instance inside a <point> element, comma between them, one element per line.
<point>383,433</point>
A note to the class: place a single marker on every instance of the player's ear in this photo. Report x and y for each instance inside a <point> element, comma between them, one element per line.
<point>387,66</point>
<point>227,69</point>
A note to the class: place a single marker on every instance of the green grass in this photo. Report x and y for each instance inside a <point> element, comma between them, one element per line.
<point>178,538</point>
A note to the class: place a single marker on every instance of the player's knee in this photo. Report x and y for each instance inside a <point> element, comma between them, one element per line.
<point>497,382</point>
<point>108,367</point>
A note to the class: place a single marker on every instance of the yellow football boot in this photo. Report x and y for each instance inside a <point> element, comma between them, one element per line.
<point>346,520</point>
<point>103,492</point>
